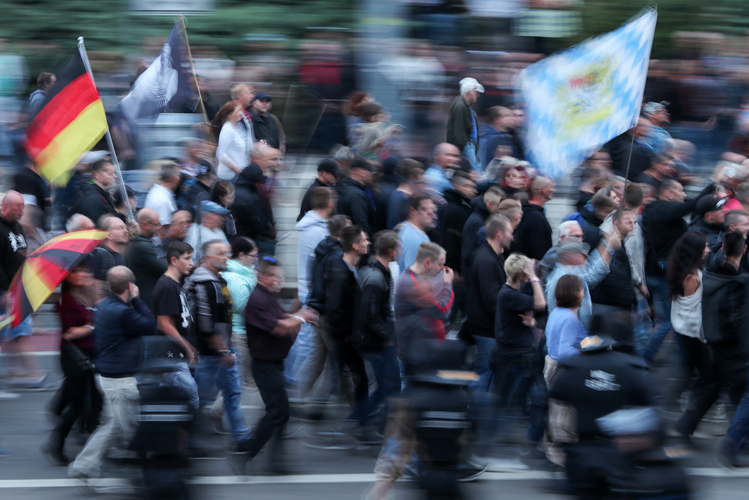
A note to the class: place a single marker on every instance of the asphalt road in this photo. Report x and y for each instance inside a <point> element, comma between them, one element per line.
<point>315,473</point>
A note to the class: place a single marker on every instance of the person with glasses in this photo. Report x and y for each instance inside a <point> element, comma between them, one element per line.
<point>271,331</point>
<point>569,232</point>
<point>142,256</point>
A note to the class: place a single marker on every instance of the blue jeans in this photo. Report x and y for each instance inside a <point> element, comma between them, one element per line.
<point>508,375</point>
<point>469,153</point>
<point>384,363</point>
<point>479,410</point>
<point>297,354</point>
<point>740,423</point>
<point>643,325</point>
<point>210,374</point>
<point>659,290</point>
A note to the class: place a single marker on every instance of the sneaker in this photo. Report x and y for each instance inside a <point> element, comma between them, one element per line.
<point>8,396</point>
<point>368,436</point>
<point>490,464</point>
<point>468,473</point>
<point>204,454</point>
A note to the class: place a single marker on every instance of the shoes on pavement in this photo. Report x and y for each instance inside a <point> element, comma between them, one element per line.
<point>55,455</point>
<point>490,464</point>
<point>8,396</point>
<point>726,453</point>
<point>204,454</point>
<point>468,473</point>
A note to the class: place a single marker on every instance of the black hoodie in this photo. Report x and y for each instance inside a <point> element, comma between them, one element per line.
<point>327,251</point>
<point>252,217</point>
<point>454,217</point>
<point>354,202</point>
<point>533,234</point>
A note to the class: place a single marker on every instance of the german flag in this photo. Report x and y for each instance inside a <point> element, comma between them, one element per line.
<point>71,121</point>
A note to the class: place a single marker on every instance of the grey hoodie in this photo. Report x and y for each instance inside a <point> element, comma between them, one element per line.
<point>312,230</point>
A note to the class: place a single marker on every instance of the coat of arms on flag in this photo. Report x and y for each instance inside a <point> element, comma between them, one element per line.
<point>580,98</point>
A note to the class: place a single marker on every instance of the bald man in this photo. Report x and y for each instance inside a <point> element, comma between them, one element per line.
<point>143,255</point>
<point>12,257</point>
<point>446,157</point>
<point>533,234</point>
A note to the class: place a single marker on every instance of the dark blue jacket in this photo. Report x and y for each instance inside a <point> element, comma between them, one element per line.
<point>118,328</point>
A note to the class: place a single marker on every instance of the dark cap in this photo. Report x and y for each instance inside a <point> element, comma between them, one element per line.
<point>361,163</point>
<point>117,196</point>
<point>596,343</point>
<point>262,95</point>
<point>329,166</point>
<point>709,203</point>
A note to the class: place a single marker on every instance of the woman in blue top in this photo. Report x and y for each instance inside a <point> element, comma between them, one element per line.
<point>563,335</point>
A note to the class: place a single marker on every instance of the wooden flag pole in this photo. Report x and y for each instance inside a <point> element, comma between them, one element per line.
<point>181,21</point>
<point>87,65</point>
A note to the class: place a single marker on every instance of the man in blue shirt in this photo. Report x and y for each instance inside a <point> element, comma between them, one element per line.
<point>422,217</point>
<point>446,159</point>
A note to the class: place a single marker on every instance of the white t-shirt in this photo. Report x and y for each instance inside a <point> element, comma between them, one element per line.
<point>232,146</point>
<point>162,200</point>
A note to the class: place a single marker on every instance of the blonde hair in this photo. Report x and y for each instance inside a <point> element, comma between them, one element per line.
<point>514,266</point>
<point>428,250</point>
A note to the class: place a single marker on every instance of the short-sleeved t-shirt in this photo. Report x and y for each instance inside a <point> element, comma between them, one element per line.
<point>261,315</point>
<point>169,300</point>
<point>510,305</point>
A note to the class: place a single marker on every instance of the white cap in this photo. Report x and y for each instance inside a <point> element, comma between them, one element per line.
<point>470,84</point>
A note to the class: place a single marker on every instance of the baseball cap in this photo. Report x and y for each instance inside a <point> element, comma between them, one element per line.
<point>329,166</point>
<point>709,203</point>
<point>211,206</point>
<point>471,84</point>
<point>361,163</point>
<point>262,95</point>
<point>574,247</point>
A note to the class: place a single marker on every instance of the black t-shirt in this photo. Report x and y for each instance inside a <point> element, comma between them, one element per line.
<point>261,315</point>
<point>169,300</point>
<point>511,330</point>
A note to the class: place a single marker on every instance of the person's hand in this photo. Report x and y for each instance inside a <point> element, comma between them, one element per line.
<point>448,275</point>
<point>229,359</point>
<point>614,240</point>
<point>309,315</point>
<point>193,358</point>
<point>528,319</point>
<point>134,292</point>
<point>644,290</point>
<point>529,269</point>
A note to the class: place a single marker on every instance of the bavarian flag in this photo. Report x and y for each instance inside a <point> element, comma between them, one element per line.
<point>71,122</point>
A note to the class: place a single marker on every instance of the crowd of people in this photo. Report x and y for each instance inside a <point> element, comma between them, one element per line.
<point>396,259</point>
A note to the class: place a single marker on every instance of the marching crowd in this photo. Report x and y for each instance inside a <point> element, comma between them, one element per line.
<point>395,259</point>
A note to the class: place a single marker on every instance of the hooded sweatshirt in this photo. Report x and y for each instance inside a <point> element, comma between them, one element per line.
<point>327,251</point>
<point>312,230</point>
<point>533,234</point>
<point>240,280</point>
<point>253,218</point>
<point>213,308</point>
<point>490,139</point>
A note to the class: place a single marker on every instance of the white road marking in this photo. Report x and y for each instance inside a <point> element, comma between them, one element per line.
<point>317,479</point>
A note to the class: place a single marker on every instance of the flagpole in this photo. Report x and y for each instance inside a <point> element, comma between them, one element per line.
<point>126,200</point>
<point>192,68</point>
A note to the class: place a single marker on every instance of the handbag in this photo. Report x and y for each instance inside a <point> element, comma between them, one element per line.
<point>73,359</point>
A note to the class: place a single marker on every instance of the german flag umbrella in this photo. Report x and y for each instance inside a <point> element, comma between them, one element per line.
<point>45,269</point>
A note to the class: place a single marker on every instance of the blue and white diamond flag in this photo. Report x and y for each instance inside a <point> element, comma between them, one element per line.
<point>579,99</point>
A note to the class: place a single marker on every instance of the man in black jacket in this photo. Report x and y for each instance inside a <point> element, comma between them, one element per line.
<point>250,215</point>
<point>533,235</point>
<point>341,298</point>
<point>462,125</point>
<point>142,255</point>
<point>454,217</point>
<point>353,200</point>
<point>710,220</point>
<point>662,224</point>
<point>617,289</point>
<point>374,330</point>
<point>95,199</point>
<point>483,207</point>
<point>205,176</point>
<point>265,124</point>
<point>488,276</point>
<point>328,174</point>
<point>121,320</point>
<point>327,251</point>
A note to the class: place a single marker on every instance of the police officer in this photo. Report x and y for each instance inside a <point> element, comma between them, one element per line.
<point>598,382</point>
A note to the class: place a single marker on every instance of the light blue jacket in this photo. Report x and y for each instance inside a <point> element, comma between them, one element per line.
<point>240,280</point>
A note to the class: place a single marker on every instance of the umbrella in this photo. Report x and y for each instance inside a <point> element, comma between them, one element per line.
<point>45,269</point>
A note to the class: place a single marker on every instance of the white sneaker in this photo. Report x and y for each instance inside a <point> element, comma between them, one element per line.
<point>498,464</point>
